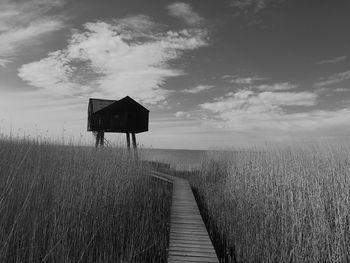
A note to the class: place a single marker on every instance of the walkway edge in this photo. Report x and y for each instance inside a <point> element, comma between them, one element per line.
<point>189,240</point>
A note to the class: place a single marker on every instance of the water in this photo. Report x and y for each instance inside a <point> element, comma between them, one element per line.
<point>189,159</point>
<point>178,159</point>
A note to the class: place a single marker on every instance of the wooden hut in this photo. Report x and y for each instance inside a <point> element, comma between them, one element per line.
<point>122,116</point>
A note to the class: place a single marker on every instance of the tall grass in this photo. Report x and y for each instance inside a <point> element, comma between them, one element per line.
<point>283,204</point>
<point>76,204</point>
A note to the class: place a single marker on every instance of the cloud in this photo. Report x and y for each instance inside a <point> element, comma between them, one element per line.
<point>185,12</point>
<point>252,5</point>
<point>243,4</point>
<point>11,39</point>
<point>21,23</point>
<point>333,79</point>
<point>182,114</point>
<point>241,80</point>
<point>341,89</point>
<point>128,56</point>
<point>332,61</point>
<point>245,110</point>
<point>3,62</point>
<point>276,87</point>
<point>52,73</point>
<point>198,89</point>
<point>251,82</point>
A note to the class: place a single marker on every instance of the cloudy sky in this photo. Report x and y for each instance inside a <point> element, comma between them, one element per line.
<point>214,73</point>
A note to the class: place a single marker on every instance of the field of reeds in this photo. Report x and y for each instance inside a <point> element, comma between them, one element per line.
<point>282,204</point>
<point>78,204</point>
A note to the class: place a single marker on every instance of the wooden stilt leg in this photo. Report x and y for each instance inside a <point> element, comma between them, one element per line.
<point>134,145</point>
<point>102,138</point>
<point>128,139</point>
<point>97,139</point>
<point>134,141</point>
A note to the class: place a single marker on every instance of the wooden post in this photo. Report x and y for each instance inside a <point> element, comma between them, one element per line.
<point>134,145</point>
<point>102,139</point>
<point>128,139</point>
<point>134,141</point>
<point>97,139</point>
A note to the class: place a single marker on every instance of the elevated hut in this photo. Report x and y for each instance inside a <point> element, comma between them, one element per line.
<point>118,116</point>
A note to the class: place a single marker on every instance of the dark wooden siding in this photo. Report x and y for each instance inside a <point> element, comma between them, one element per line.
<point>96,105</point>
<point>137,121</point>
<point>125,115</point>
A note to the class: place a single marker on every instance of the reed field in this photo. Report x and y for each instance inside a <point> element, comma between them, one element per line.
<point>78,204</point>
<point>281,204</point>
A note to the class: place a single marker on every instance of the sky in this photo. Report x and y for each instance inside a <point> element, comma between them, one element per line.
<point>215,74</point>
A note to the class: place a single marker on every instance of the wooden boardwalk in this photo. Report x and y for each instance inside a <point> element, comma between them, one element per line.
<point>189,240</point>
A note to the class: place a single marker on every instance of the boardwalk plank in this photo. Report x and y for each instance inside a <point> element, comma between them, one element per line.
<point>192,254</point>
<point>190,246</point>
<point>192,259</point>
<point>191,249</point>
<point>189,240</point>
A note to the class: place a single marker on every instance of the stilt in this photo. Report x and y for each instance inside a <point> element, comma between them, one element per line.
<point>97,135</point>
<point>128,139</point>
<point>134,145</point>
<point>102,139</point>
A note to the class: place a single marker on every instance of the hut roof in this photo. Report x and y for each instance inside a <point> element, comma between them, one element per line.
<point>125,103</point>
<point>99,104</point>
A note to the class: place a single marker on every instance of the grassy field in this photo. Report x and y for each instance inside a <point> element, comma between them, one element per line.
<point>76,204</point>
<point>283,204</point>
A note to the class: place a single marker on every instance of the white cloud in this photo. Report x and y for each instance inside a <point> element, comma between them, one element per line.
<point>288,98</point>
<point>182,114</point>
<point>335,78</point>
<point>3,62</point>
<point>21,23</point>
<point>52,73</point>
<point>185,12</point>
<point>13,38</point>
<point>332,61</point>
<point>126,57</point>
<point>243,4</point>
<point>198,89</point>
<point>245,81</point>
<point>276,87</point>
<point>341,89</point>
<point>254,5</point>
<point>246,110</point>
<point>139,25</point>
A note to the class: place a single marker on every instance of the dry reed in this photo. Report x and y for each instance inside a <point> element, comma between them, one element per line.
<point>76,204</point>
<point>283,204</point>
